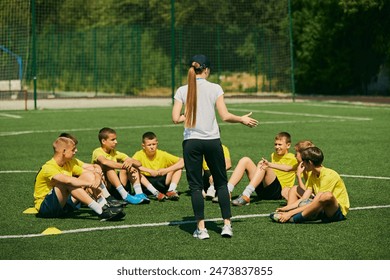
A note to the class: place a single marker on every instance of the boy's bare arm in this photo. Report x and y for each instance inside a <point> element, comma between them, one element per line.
<point>72,181</point>
<point>281,167</point>
<point>152,172</point>
<point>178,165</point>
<point>109,163</point>
<point>130,162</point>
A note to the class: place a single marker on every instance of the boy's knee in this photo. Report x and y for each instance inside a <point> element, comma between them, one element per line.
<point>89,176</point>
<point>244,160</point>
<point>326,197</point>
<point>285,192</point>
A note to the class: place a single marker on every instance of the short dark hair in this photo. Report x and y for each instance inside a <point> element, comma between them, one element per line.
<point>313,154</point>
<point>70,136</point>
<point>104,132</point>
<point>148,135</point>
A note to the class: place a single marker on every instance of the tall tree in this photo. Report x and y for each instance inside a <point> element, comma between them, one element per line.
<point>340,45</point>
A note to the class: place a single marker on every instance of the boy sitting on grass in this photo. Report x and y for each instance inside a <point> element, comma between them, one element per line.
<point>331,201</point>
<point>111,161</point>
<point>160,170</point>
<point>268,182</point>
<point>61,184</point>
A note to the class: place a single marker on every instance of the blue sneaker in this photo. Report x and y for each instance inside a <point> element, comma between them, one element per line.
<point>145,199</point>
<point>132,199</point>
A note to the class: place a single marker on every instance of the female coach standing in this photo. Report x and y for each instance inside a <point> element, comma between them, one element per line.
<point>202,138</point>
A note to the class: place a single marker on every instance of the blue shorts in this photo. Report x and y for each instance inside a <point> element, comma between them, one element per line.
<point>51,207</point>
<point>337,216</point>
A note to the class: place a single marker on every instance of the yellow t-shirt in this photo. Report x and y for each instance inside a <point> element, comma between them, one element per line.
<point>43,180</point>
<point>286,179</point>
<point>114,155</point>
<point>162,159</point>
<point>330,181</point>
<point>226,153</point>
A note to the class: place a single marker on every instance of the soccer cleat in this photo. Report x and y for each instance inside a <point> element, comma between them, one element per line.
<point>111,213</point>
<point>210,194</point>
<point>227,231</point>
<point>145,199</point>
<point>161,197</point>
<point>132,199</point>
<point>112,202</point>
<point>173,195</point>
<point>276,218</point>
<point>241,200</point>
<point>201,234</point>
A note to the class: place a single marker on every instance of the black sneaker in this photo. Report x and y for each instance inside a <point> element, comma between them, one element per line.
<point>112,202</point>
<point>111,213</point>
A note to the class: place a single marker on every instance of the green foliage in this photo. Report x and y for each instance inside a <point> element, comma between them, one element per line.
<point>340,45</point>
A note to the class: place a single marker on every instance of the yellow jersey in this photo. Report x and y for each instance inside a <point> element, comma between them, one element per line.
<point>114,155</point>
<point>43,180</point>
<point>286,178</point>
<point>330,181</point>
<point>161,159</point>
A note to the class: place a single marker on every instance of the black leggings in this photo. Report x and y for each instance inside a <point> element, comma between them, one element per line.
<point>193,152</point>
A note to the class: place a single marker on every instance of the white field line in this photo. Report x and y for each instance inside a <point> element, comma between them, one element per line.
<point>304,114</point>
<point>172,223</point>
<point>330,118</point>
<point>365,177</point>
<point>10,116</point>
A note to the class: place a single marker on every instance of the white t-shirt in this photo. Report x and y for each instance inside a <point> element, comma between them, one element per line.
<point>206,123</point>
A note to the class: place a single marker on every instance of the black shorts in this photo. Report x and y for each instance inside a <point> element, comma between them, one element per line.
<point>270,192</point>
<point>157,182</point>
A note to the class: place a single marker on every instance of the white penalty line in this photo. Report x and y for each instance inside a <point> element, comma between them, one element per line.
<point>172,223</point>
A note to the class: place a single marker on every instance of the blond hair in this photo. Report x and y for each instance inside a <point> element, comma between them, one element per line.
<point>303,144</point>
<point>61,143</point>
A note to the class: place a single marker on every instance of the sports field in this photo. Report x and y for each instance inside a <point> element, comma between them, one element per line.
<point>353,137</point>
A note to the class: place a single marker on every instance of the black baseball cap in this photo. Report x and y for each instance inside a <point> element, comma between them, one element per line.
<point>202,60</point>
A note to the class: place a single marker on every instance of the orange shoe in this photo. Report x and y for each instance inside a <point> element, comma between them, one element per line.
<point>241,200</point>
<point>161,197</point>
<point>173,195</point>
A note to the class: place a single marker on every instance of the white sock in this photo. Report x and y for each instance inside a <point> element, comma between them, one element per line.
<point>248,190</point>
<point>104,190</point>
<point>96,207</point>
<point>211,188</point>
<point>137,188</point>
<point>172,187</point>
<point>122,191</point>
<point>152,189</point>
<point>230,187</point>
<point>102,201</point>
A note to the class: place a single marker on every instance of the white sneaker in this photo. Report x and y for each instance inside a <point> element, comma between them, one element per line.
<point>227,231</point>
<point>201,234</point>
<point>210,194</point>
